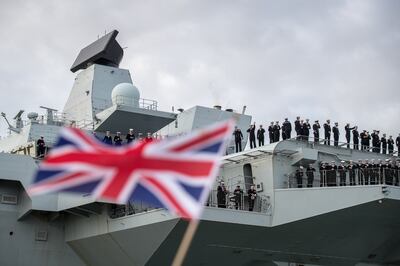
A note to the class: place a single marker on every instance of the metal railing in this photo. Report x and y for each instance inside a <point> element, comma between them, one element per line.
<point>339,144</point>
<point>102,104</point>
<point>240,201</point>
<point>261,203</point>
<point>355,177</point>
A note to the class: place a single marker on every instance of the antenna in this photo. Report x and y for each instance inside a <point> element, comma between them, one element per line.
<point>49,114</point>
<point>244,109</point>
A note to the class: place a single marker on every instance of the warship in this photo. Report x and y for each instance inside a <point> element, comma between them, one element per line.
<point>352,224</point>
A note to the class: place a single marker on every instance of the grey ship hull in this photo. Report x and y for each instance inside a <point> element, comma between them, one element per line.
<point>368,233</point>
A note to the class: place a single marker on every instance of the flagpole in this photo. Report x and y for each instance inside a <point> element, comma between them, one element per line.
<point>185,243</point>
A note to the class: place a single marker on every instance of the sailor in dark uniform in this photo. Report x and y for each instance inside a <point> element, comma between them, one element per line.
<point>238,192</point>
<point>336,133</point>
<point>384,144</point>
<point>380,171</point>
<point>331,174</point>
<point>316,128</point>
<point>118,139</point>
<point>130,136</point>
<point>286,129</point>
<point>221,195</point>
<point>310,175</point>
<point>375,141</point>
<point>327,132</point>
<point>351,168</point>
<point>238,139</point>
<point>348,130</point>
<point>366,171</point>
<point>306,130</point>
<point>398,144</point>
<point>260,136</point>
<point>252,136</point>
<point>360,172</point>
<point>299,177</point>
<point>41,147</point>
<point>356,136</point>
<point>388,173</point>
<point>390,143</point>
<point>342,173</point>
<point>107,138</point>
<point>365,139</point>
<point>271,132</point>
<point>372,172</point>
<point>276,131</point>
<point>297,127</point>
<point>252,194</point>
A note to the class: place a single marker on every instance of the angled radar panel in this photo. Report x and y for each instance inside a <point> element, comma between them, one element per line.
<point>105,51</point>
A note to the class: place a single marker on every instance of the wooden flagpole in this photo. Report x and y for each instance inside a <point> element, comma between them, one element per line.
<point>186,241</point>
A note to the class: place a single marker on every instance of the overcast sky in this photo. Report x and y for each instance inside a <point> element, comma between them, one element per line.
<point>317,59</point>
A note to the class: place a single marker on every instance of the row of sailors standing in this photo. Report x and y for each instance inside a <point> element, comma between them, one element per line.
<point>118,141</point>
<point>304,128</point>
<point>364,172</point>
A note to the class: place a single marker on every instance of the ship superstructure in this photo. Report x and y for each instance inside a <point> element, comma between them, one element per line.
<point>352,224</point>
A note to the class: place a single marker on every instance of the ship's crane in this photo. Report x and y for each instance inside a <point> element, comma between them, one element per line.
<point>18,122</point>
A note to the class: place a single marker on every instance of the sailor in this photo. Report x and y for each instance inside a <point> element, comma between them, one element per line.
<point>221,195</point>
<point>331,174</point>
<point>271,132</point>
<point>310,175</point>
<point>356,135</point>
<point>366,172</point>
<point>107,138</point>
<point>396,169</point>
<point>336,133</point>
<point>360,172</point>
<point>327,131</point>
<point>301,136</point>
<point>388,173</point>
<point>316,128</point>
<point>351,168</point>
<point>299,177</point>
<point>390,144</point>
<point>372,172</point>
<point>118,139</point>
<point>348,129</point>
<point>238,192</point>
<point>365,138</point>
<point>148,138</point>
<point>398,144</point>
<point>238,139</point>
<point>276,131</point>
<point>260,136</point>
<point>375,141</point>
<point>41,147</point>
<point>252,194</point>
<point>384,143</point>
<point>342,173</point>
<point>306,130</point>
<point>130,136</point>
<point>297,127</point>
<point>286,129</point>
<point>252,135</point>
<point>380,171</point>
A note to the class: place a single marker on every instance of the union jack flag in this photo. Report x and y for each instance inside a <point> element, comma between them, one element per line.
<point>175,173</point>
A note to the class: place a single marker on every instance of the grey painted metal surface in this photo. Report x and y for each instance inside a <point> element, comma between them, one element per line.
<point>318,225</point>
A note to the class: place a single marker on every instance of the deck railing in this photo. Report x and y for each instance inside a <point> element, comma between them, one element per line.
<point>355,177</point>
